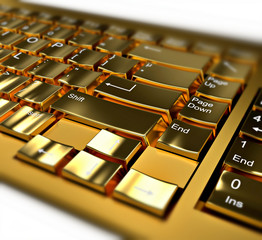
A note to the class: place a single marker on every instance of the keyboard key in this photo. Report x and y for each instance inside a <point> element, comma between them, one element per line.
<point>6,10</point>
<point>32,45</point>
<point>204,112</point>
<point>11,83</point>
<point>59,34</point>
<point>184,139</point>
<point>108,115</point>
<point>93,27</point>
<point>242,55</point>
<point>24,13</point>
<point>181,60</point>
<point>45,153</point>
<point>231,71</point>
<point>142,36</point>
<point>49,70</point>
<point>208,49</point>
<point>139,95</point>
<point>88,59</point>
<point>39,95</point>
<point>80,79</point>
<point>119,32</point>
<point>85,40</point>
<point>115,45</point>
<point>7,108</point>
<point>176,43</point>
<point>12,24</point>
<point>92,171</point>
<point>68,22</point>
<point>238,197</point>
<point>122,67</point>
<point>219,90</point>
<point>245,155</point>
<point>8,39</point>
<point>252,126</point>
<point>169,78</point>
<point>45,17</point>
<point>26,123</point>
<point>34,29</point>
<point>5,53</point>
<point>117,148</point>
<point>67,132</point>
<point>58,52</point>
<point>20,62</point>
<point>165,166</point>
<point>145,192</point>
<point>258,102</point>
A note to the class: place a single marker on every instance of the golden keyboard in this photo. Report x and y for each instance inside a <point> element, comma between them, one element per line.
<point>148,133</point>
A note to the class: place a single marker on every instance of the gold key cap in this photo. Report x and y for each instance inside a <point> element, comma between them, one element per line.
<point>175,43</point>
<point>119,32</point>
<point>85,40</point>
<point>39,95</point>
<point>245,155</point>
<point>32,45</point>
<point>205,112</point>
<point>142,36</point>
<point>115,147</point>
<point>5,53</point>
<point>12,24</point>
<point>169,78</point>
<point>238,197</point>
<point>181,60</point>
<point>59,34</point>
<point>20,62</point>
<point>7,10</point>
<point>68,22</point>
<point>208,49</point>
<point>231,71</point>
<point>184,139</point>
<point>92,171</point>
<point>93,27</point>
<point>81,79</point>
<point>88,59</point>
<point>49,70</point>
<point>34,29</point>
<point>119,66</point>
<point>26,123</point>
<point>108,115</point>
<point>242,55</point>
<point>7,108</point>
<point>252,127</point>
<point>219,90</point>
<point>258,102</point>
<point>45,17</point>
<point>145,192</point>
<point>24,13</point>
<point>115,45</point>
<point>11,83</point>
<point>8,39</point>
<point>45,153</point>
<point>58,51</point>
<point>167,103</point>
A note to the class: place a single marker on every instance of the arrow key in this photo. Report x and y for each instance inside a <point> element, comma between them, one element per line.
<point>145,192</point>
<point>252,127</point>
<point>45,153</point>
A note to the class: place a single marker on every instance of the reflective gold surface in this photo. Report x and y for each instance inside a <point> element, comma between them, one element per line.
<point>145,192</point>
<point>32,45</point>
<point>239,197</point>
<point>59,34</point>
<point>176,43</point>
<point>171,58</point>
<point>165,77</point>
<point>12,23</point>
<point>5,53</point>
<point>40,94</point>
<point>209,49</point>
<point>118,31</point>
<point>26,123</point>
<point>85,39</point>
<point>165,101</point>
<point>184,139</point>
<point>108,115</point>
<point>119,66</point>
<point>10,38</point>
<point>44,153</point>
<point>34,28</point>
<point>114,146</point>
<point>6,106</point>
<point>91,171</point>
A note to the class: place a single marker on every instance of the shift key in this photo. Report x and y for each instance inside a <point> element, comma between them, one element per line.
<point>102,114</point>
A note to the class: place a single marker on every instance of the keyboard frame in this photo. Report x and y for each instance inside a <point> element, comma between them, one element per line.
<point>188,219</point>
